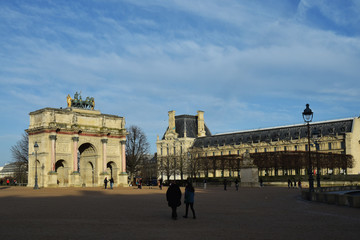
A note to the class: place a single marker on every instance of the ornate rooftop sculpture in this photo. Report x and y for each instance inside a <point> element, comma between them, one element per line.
<point>77,102</point>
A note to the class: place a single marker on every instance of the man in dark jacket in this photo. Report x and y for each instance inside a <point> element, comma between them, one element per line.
<point>173,196</point>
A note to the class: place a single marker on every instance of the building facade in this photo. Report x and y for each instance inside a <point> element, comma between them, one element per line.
<point>76,147</point>
<point>173,147</point>
<point>340,136</point>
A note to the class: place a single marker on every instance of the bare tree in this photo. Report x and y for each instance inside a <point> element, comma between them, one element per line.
<point>137,149</point>
<point>20,156</point>
<point>149,169</point>
<point>168,165</point>
<point>194,163</point>
<point>182,165</point>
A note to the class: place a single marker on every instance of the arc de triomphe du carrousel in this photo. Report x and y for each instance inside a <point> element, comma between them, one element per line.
<point>76,146</point>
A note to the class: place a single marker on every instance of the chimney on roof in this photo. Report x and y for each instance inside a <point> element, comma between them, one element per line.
<point>201,124</point>
<point>171,121</point>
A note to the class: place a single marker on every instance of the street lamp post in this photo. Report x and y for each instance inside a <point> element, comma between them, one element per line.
<point>317,166</point>
<point>36,147</point>
<point>308,116</point>
<point>316,137</point>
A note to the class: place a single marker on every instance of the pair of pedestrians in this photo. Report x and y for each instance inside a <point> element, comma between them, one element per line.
<point>111,182</point>
<point>173,196</point>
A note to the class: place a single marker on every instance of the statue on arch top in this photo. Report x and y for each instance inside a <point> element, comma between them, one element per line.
<point>77,102</point>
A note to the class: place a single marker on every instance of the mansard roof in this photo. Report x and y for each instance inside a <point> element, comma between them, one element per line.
<point>188,123</point>
<point>9,168</point>
<point>325,128</point>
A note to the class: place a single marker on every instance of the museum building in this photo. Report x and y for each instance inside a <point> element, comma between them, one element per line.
<point>190,135</point>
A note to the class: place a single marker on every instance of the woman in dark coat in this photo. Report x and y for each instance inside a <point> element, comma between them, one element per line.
<point>173,196</point>
<point>189,199</point>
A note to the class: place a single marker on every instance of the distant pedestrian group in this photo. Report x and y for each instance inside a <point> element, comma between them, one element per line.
<point>293,185</point>
<point>111,181</point>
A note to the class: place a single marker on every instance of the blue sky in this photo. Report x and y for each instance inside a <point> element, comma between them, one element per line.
<point>247,64</point>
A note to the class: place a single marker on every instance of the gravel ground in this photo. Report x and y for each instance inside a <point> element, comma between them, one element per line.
<point>129,213</point>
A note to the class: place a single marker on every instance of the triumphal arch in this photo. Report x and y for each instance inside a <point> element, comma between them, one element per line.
<point>78,146</point>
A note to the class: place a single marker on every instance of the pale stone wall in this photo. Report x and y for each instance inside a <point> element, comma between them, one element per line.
<point>353,146</point>
<point>60,133</point>
<point>351,141</point>
<point>172,146</point>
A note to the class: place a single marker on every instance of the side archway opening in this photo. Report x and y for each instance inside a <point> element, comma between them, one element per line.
<point>62,169</point>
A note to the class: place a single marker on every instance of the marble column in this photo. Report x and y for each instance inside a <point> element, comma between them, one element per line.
<point>75,153</point>
<point>104,143</point>
<point>53,152</point>
<point>123,155</point>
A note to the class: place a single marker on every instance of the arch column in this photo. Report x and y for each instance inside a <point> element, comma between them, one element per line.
<point>75,153</point>
<point>53,151</point>
<point>104,142</point>
<point>123,177</point>
<point>52,175</point>
<point>75,176</point>
<point>123,155</point>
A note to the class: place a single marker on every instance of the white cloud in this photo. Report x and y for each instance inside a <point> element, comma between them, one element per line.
<point>246,64</point>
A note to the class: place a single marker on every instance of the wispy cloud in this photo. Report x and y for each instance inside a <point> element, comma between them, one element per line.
<point>247,64</point>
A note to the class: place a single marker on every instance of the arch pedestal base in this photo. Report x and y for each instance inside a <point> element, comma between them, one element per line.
<point>123,180</point>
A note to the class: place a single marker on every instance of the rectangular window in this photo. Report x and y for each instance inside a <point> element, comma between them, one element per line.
<point>285,149</point>
<point>296,148</point>
<point>342,145</point>
<point>264,149</point>
<point>306,147</point>
<point>238,151</point>
<point>213,153</point>
<point>256,150</point>
<point>174,150</point>
<point>221,153</point>
<point>161,151</point>
<point>274,149</point>
<point>229,152</point>
<point>329,144</point>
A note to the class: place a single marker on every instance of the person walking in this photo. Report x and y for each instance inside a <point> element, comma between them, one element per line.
<point>225,184</point>
<point>111,183</point>
<point>205,183</point>
<point>189,199</point>
<point>160,183</point>
<point>173,197</point>
<point>105,182</point>
<point>140,183</point>
<point>237,184</point>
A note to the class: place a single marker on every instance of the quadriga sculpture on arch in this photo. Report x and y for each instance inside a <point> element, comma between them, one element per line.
<point>77,102</point>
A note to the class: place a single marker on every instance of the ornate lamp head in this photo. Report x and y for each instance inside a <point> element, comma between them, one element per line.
<point>307,114</point>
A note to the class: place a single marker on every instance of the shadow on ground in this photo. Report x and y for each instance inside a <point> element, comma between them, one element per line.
<point>250,213</point>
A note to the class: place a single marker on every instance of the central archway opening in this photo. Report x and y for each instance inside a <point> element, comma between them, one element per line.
<point>87,163</point>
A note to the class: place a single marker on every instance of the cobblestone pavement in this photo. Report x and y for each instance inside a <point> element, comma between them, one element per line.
<point>128,213</point>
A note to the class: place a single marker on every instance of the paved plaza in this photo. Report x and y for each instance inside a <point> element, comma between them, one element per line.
<point>129,213</point>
